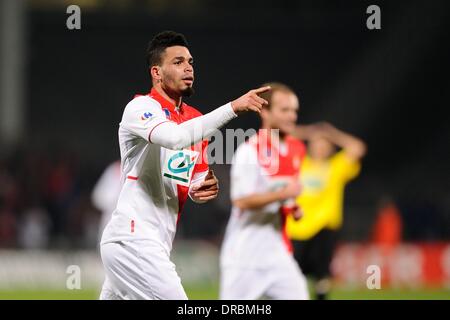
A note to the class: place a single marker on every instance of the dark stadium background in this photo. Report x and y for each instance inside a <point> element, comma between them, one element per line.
<point>390,87</point>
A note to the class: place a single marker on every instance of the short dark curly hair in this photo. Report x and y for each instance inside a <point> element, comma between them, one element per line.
<point>160,42</point>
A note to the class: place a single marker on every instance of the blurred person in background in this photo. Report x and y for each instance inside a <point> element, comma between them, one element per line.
<point>256,257</point>
<point>9,201</point>
<point>324,175</point>
<point>387,230</point>
<point>34,228</point>
<point>8,226</point>
<point>61,194</point>
<point>106,192</point>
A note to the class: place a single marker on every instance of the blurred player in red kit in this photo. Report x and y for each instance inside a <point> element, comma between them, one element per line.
<point>256,258</point>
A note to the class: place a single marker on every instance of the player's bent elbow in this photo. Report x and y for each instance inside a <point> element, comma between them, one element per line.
<point>363,149</point>
<point>358,151</point>
<point>170,136</point>
<point>177,142</point>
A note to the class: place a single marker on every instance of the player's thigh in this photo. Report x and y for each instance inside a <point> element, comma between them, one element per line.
<point>137,271</point>
<point>161,273</point>
<point>119,265</point>
<point>123,273</point>
<point>108,292</point>
<point>288,282</point>
<point>327,248</point>
<point>304,254</point>
<point>242,283</point>
<point>320,254</point>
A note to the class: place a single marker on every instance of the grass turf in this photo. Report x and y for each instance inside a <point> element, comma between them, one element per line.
<point>211,293</point>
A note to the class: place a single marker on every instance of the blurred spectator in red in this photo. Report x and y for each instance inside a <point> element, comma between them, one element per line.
<point>388,227</point>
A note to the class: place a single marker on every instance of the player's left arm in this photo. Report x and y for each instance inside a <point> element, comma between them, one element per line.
<point>304,131</point>
<point>353,147</point>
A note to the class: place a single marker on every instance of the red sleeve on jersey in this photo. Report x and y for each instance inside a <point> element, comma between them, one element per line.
<point>201,147</point>
<point>202,161</point>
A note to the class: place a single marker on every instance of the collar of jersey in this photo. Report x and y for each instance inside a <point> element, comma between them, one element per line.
<point>263,137</point>
<point>163,101</point>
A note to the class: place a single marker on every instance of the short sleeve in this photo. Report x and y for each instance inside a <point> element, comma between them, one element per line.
<point>245,172</point>
<point>142,115</point>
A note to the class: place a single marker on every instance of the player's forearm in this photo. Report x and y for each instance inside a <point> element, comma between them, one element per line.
<point>352,145</point>
<point>178,136</point>
<point>259,200</point>
<point>303,132</point>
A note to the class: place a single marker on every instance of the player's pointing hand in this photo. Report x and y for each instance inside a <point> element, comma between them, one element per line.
<point>251,101</point>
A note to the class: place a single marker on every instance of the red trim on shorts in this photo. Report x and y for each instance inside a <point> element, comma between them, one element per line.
<point>132,177</point>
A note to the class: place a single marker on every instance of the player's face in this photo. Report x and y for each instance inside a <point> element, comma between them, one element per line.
<point>177,71</point>
<point>320,148</point>
<point>283,112</point>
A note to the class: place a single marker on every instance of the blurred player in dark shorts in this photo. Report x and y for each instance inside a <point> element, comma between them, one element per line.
<point>324,175</point>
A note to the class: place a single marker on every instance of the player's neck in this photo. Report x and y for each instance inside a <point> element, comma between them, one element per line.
<point>171,97</point>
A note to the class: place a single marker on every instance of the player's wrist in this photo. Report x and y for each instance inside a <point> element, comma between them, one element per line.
<point>280,195</point>
<point>234,107</point>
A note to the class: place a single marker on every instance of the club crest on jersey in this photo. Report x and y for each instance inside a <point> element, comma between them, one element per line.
<point>146,116</point>
<point>167,112</point>
<point>179,165</point>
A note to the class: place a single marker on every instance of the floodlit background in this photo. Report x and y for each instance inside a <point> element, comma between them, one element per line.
<point>62,93</point>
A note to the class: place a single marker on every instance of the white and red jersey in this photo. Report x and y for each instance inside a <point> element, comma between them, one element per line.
<point>255,237</point>
<point>155,180</point>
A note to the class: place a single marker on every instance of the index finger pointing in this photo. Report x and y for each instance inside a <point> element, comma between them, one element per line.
<point>262,89</point>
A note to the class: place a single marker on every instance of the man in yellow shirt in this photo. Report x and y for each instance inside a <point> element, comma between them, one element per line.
<point>324,174</point>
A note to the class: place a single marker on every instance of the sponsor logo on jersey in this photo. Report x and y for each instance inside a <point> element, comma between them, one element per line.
<point>179,165</point>
<point>146,116</point>
<point>167,112</point>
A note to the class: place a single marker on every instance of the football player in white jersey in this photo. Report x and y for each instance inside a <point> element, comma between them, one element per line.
<point>256,259</point>
<point>162,146</point>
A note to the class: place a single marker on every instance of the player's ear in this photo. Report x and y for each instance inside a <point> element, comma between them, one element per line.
<point>155,72</point>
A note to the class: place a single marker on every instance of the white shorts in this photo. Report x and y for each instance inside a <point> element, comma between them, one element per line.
<point>283,281</point>
<point>139,270</point>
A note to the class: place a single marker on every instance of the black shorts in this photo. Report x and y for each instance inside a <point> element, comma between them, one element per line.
<point>314,255</point>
